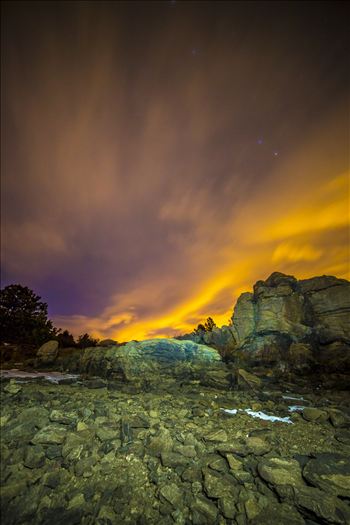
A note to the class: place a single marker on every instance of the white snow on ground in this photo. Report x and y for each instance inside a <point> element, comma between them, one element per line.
<point>293,398</point>
<point>295,408</point>
<point>259,415</point>
<point>53,377</point>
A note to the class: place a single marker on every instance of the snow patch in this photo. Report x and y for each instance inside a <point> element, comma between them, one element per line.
<point>53,377</point>
<point>295,408</point>
<point>259,415</point>
<point>294,398</point>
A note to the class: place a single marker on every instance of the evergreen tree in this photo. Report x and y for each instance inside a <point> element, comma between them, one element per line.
<point>23,317</point>
<point>66,339</point>
<point>209,324</point>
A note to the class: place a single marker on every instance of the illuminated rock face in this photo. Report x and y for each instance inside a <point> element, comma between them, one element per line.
<point>156,360</point>
<point>283,311</point>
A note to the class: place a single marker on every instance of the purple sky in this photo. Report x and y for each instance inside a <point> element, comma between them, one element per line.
<point>160,157</point>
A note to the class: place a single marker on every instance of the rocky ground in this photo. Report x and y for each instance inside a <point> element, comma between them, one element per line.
<point>93,451</point>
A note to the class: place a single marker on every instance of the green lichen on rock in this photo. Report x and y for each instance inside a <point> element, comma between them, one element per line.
<point>145,363</point>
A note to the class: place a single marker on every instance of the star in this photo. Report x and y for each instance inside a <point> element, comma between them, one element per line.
<point>275,153</point>
<point>194,51</point>
<point>259,141</point>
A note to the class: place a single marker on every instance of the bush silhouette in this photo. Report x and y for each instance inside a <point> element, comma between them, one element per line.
<point>86,340</point>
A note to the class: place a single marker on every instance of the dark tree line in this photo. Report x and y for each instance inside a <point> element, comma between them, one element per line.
<point>206,327</point>
<point>24,320</point>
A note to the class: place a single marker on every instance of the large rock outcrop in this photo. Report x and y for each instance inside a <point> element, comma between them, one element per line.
<point>156,362</point>
<point>291,322</point>
<point>282,312</point>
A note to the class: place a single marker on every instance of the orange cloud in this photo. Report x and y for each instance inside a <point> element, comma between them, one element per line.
<point>136,191</point>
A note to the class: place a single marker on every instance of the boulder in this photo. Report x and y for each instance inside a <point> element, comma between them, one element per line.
<point>48,352</point>
<point>315,414</point>
<point>330,473</point>
<point>247,380</point>
<point>280,471</point>
<point>325,507</point>
<point>222,339</point>
<point>157,362</point>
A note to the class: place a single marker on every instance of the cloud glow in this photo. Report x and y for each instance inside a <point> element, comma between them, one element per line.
<point>137,196</point>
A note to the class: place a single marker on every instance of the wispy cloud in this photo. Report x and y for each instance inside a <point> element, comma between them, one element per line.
<point>146,187</point>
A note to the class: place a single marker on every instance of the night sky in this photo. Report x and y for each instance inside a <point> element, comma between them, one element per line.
<point>160,157</point>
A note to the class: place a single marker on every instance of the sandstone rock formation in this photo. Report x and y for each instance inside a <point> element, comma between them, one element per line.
<point>148,362</point>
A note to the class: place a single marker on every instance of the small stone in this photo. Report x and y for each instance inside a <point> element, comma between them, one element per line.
<point>77,501</point>
<point>218,463</point>
<point>257,446</point>
<point>137,422</point>
<point>50,435</point>
<point>204,511</point>
<point>227,507</point>
<point>315,414</point>
<point>234,463</point>
<point>107,434</point>
<point>252,507</point>
<point>280,471</point>
<point>4,420</point>
<point>216,435</point>
<point>338,419</point>
<point>172,459</point>
<point>186,450</point>
<point>233,447</point>
<point>73,447</point>
<point>57,416</point>
<point>218,485</point>
<point>247,379</point>
<point>84,466</point>
<point>52,479</point>
<point>95,383</point>
<point>34,457</point>
<point>162,442</point>
<point>81,426</point>
<point>107,515</point>
<point>172,494</point>
<point>192,474</point>
<point>53,452</point>
<point>196,487</point>
<point>12,388</point>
